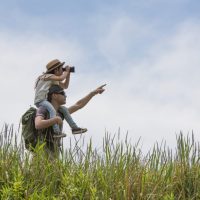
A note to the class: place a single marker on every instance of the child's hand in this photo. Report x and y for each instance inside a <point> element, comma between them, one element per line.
<point>58,120</point>
<point>67,68</point>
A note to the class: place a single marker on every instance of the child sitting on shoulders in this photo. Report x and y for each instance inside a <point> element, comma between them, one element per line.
<point>55,75</point>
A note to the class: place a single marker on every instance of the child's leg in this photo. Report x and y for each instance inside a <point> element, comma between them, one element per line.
<point>67,117</point>
<point>52,113</point>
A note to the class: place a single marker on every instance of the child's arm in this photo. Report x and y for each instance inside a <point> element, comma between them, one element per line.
<point>58,78</point>
<point>65,84</point>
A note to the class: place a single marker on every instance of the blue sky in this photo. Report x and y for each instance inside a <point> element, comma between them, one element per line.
<point>146,51</point>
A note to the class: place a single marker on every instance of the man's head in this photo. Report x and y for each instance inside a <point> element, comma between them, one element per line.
<point>56,94</point>
<point>55,67</point>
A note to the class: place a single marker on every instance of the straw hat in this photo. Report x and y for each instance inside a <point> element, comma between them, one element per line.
<point>53,65</point>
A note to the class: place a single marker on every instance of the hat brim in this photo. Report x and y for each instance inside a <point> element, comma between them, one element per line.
<point>59,65</point>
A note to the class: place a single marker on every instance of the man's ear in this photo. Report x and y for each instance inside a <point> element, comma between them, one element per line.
<point>54,96</point>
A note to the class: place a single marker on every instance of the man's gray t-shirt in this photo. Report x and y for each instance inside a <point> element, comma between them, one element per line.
<point>47,134</point>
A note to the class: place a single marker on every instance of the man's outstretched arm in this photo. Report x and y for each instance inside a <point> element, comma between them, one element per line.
<point>82,102</point>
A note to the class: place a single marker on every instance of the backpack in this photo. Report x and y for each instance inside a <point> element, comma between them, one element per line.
<point>29,132</point>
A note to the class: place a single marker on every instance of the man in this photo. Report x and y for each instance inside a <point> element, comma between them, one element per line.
<point>57,98</point>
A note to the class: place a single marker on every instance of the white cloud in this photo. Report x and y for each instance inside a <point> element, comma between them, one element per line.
<point>123,40</point>
<point>159,95</point>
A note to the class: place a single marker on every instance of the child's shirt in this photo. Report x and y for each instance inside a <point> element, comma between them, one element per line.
<point>42,87</point>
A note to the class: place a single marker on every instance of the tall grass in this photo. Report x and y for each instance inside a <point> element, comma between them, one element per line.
<point>118,170</point>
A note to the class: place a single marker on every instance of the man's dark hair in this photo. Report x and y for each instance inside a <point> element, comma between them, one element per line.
<point>54,89</point>
<point>49,97</point>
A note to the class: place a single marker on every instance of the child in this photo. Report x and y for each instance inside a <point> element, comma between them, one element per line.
<point>55,75</point>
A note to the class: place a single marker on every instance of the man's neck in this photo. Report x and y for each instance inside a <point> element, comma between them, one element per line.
<point>55,105</point>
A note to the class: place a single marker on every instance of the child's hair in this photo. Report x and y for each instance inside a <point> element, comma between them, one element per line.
<point>50,72</point>
<point>37,81</point>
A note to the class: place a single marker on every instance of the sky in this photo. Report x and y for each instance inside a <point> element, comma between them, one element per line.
<point>147,52</point>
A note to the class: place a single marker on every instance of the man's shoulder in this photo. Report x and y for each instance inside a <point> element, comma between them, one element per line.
<point>42,111</point>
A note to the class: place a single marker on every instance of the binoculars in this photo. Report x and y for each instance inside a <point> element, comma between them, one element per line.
<point>72,69</point>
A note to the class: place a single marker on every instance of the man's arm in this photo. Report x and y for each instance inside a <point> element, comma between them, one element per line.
<point>81,103</point>
<point>41,121</point>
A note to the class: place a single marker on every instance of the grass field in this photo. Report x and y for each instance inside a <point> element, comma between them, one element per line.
<point>117,171</point>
